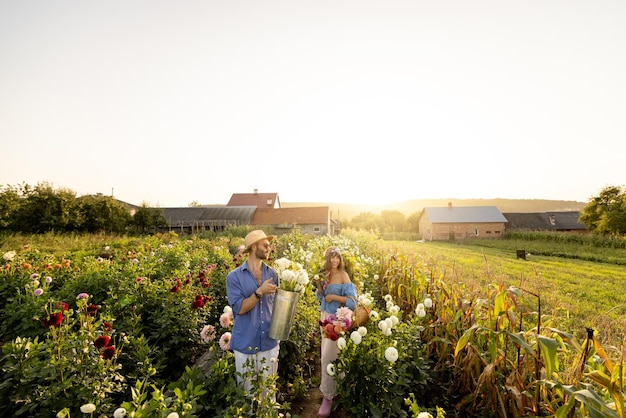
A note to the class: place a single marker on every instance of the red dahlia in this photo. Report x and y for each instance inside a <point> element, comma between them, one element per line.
<point>108,352</point>
<point>92,309</point>
<point>102,341</point>
<point>62,306</point>
<point>54,320</point>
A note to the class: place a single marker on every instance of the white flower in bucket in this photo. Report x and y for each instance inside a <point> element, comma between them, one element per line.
<point>292,276</point>
<point>292,283</point>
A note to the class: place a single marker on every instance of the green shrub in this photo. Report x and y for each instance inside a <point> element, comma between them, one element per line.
<point>381,365</point>
<point>66,368</point>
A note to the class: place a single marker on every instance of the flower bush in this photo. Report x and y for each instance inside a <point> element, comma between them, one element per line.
<point>66,368</point>
<point>127,294</point>
<point>381,364</point>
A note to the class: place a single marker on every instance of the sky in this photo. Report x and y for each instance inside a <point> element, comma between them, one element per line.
<point>366,102</point>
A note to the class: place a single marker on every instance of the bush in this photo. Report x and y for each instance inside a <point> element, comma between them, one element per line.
<point>74,363</point>
<point>381,364</point>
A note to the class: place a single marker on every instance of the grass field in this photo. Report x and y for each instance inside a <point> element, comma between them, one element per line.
<point>577,293</point>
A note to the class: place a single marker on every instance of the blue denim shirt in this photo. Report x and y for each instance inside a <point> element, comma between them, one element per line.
<point>341,289</point>
<point>251,330</point>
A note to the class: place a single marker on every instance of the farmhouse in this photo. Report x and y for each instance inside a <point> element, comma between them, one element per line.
<point>450,223</point>
<point>256,209</point>
<point>309,220</point>
<point>566,221</point>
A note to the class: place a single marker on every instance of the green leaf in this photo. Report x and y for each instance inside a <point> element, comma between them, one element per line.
<point>124,301</point>
<point>563,411</point>
<point>600,377</point>
<point>549,352</point>
<point>498,304</point>
<point>594,404</point>
<point>518,338</point>
<point>460,345</point>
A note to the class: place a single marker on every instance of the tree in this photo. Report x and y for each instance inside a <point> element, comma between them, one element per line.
<point>44,209</point>
<point>366,221</point>
<point>9,204</point>
<point>149,219</point>
<point>103,214</point>
<point>606,213</point>
<point>413,222</point>
<point>393,220</point>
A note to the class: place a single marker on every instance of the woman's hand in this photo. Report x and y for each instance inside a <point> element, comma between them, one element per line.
<point>330,297</point>
<point>318,284</point>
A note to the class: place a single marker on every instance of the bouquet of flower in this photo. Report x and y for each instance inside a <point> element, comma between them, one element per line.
<point>291,276</point>
<point>336,324</point>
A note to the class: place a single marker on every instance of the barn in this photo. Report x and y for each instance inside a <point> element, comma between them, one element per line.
<point>255,209</point>
<point>308,220</point>
<point>565,221</point>
<point>207,218</point>
<point>463,222</point>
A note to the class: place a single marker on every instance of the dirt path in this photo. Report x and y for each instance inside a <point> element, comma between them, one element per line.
<point>307,408</point>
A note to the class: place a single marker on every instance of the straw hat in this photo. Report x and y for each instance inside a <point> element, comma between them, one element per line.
<point>255,236</point>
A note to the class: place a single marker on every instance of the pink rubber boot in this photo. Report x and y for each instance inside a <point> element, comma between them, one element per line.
<point>325,408</point>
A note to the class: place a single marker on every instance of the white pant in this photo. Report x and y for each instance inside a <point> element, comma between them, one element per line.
<point>330,352</point>
<point>264,361</point>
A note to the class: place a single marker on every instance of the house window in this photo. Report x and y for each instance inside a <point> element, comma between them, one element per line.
<point>476,231</point>
<point>316,229</point>
<point>488,232</point>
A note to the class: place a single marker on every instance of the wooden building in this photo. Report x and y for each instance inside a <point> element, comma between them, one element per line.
<point>452,223</point>
<point>252,209</point>
<point>309,220</point>
<point>207,218</point>
<point>566,221</point>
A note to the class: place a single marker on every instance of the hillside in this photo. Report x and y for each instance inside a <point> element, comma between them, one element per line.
<point>348,211</point>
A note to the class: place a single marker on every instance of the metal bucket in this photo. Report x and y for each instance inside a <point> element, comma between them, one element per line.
<point>284,311</point>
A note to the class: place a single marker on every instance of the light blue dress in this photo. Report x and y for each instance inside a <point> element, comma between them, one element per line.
<point>340,289</point>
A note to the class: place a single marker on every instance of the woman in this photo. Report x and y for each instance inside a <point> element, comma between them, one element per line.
<point>335,291</point>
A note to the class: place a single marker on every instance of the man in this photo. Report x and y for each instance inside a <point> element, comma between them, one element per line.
<point>251,289</point>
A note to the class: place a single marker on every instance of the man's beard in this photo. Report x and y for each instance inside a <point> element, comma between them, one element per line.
<point>260,254</point>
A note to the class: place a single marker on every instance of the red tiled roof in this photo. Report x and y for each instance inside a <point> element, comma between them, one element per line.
<point>260,200</point>
<point>302,216</point>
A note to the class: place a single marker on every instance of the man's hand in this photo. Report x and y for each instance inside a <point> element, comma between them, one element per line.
<point>267,287</point>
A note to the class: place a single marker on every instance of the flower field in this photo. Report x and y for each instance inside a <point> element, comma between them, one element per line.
<point>108,326</point>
